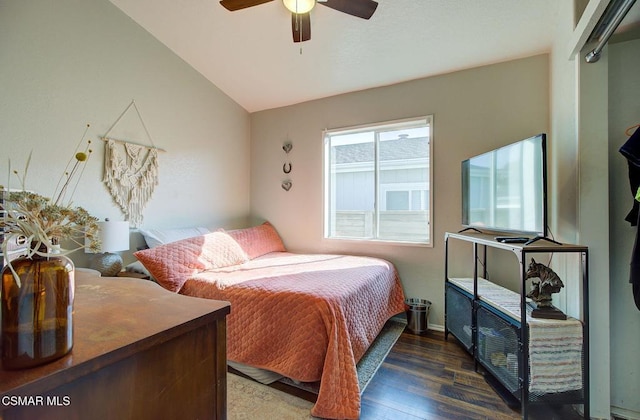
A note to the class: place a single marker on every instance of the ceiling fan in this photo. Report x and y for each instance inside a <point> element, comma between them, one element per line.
<point>300,19</point>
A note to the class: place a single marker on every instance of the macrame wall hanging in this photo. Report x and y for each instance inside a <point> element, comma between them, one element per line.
<point>130,171</point>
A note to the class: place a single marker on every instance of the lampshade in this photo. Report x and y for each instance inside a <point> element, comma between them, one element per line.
<point>299,6</point>
<point>114,236</point>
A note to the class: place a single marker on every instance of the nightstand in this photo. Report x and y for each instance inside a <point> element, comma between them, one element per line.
<point>133,274</point>
<point>88,272</point>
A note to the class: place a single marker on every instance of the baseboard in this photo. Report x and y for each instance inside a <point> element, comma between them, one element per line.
<point>623,413</point>
<point>436,327</point>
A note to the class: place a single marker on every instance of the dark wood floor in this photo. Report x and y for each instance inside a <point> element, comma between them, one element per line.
<point>426,377</point>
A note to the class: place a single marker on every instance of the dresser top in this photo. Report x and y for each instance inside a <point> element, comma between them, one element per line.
<point>114,318</point>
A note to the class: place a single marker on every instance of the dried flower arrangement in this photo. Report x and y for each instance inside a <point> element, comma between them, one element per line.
<point>42,222</point>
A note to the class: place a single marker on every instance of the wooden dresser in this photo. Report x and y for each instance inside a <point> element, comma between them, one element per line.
<point>140,352</point>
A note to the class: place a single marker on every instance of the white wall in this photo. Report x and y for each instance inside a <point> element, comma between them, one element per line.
<point>66,63</point>
<point>624,111</point>
<point>592,217</point>
<point>474,111</point>
<point>580,188</point>
<point>563,160</point>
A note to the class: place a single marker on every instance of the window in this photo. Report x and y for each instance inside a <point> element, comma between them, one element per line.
<point>377,182</point>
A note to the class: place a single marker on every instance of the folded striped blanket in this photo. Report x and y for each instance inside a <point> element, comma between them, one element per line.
<point>555,355</point>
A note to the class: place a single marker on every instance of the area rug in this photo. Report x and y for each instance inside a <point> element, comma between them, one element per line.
<point>251,400</point>
<point>379,349</point>
<point>248,399</point>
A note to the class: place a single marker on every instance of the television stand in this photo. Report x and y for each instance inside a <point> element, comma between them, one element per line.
<point>497,327</point>
<point>539,238</point>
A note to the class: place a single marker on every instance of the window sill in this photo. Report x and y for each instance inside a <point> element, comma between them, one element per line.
<point>379,242</point>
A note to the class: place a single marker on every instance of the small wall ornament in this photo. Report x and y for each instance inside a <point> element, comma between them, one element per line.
<point>287,167</point>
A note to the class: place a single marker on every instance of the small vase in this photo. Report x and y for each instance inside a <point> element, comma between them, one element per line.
<point>37,324</point>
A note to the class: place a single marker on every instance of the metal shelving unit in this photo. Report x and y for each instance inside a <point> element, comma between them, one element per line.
<point>486,318</point>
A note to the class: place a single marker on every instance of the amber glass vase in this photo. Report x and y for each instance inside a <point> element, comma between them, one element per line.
<point>37,312</point>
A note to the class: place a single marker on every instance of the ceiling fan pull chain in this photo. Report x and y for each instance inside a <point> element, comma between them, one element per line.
<point>299,28</point>
<point>301,37</point>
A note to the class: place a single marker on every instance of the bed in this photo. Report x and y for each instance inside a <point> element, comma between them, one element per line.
<point>308,317</point>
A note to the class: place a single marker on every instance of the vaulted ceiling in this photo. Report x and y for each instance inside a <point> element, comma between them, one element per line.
<point>249,54</point>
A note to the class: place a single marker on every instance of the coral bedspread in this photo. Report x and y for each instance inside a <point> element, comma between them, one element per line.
<point>308,317</point>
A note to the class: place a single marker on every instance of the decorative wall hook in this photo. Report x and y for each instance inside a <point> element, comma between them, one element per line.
<point>287,146</point>
<point>286,168</point>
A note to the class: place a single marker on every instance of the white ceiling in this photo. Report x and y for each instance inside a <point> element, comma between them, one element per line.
<point>249,54</point>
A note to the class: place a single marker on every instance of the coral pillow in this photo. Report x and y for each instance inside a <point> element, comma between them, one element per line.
<point>258,240</point>
<point>173,263</point>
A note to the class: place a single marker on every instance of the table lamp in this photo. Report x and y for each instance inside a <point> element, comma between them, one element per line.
<point>114,237</point>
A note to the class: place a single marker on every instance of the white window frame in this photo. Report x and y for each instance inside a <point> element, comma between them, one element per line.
<point>388,125</point>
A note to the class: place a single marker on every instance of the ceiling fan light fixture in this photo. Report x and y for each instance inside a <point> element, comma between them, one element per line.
<point>299,6</point>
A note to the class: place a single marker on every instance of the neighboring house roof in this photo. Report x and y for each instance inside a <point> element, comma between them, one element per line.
<point>404,148</point>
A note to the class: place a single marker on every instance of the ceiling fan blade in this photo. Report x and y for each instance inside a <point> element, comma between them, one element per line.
<point>360,8</point>
<point>233,5</point>
<point>301,27</point>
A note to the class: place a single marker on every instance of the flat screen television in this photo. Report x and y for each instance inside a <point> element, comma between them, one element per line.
<point>505,190</point>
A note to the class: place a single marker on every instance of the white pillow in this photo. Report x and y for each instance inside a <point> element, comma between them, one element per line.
<point>137,267</point>
<point>155,237</point>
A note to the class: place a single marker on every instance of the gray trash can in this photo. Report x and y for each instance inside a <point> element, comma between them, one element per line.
<point>417,314</point>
